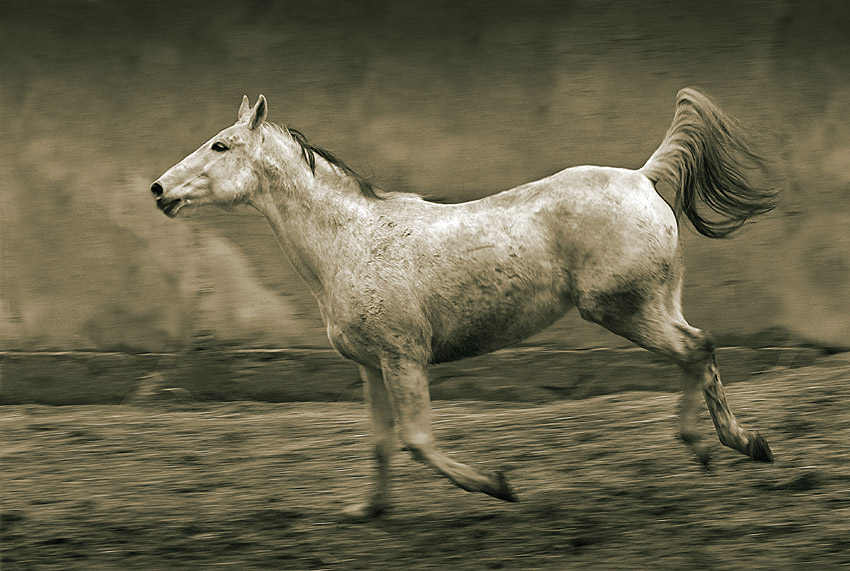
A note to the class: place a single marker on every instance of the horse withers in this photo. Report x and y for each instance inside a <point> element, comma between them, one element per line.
<point>403,283</point>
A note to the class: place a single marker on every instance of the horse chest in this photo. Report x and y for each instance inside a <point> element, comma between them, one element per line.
<point>342,343</point>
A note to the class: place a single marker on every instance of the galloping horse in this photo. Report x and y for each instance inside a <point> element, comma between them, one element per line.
<point>402,282</point>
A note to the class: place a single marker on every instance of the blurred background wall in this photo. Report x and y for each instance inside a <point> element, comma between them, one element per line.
<point>451,99</point>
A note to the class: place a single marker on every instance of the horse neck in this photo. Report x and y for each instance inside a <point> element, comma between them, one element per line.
<point>314,216</point>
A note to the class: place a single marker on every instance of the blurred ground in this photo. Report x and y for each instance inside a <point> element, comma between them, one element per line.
<point>520,374</point>
<point>603,484</point>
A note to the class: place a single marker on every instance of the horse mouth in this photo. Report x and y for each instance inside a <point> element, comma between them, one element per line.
<point>170,208</point>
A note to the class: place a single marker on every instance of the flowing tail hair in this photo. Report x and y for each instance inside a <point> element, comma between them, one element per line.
<point>703,156</point>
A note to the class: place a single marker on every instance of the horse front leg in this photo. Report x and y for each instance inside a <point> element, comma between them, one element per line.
<point>383,427</point>
<point>408,387</point>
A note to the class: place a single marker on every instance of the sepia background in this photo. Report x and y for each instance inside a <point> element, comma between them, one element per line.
<point>448,99</point>
<point>166,455</point>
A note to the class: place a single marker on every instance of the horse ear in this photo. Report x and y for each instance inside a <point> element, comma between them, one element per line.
<point>244,108</point>
<point>258,115</point>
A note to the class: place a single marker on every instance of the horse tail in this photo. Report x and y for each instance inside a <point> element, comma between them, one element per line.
<point>703,156</point>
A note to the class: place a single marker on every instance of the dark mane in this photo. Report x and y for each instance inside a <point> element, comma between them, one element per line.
<point>309,152</point>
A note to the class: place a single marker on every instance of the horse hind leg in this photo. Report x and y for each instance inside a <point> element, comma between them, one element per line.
<point>705,373</point>
<point>650,316</point>
<point>408,388</point>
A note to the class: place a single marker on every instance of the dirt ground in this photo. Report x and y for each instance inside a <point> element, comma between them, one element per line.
<point>602,482</point>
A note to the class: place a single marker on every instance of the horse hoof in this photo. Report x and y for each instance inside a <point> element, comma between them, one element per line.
<point>503,490</point>
<point>358,513</point>
<point>759,450</point>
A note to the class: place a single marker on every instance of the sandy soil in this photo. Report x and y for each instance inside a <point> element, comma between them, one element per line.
<point>602,482</point>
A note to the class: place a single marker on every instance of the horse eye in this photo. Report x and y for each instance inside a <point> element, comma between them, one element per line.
<point>219,147</point>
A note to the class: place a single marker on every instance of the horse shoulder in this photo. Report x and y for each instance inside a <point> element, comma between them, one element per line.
<point>371,314</point>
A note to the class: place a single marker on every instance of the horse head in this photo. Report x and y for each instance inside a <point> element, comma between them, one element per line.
<point>222,171</point>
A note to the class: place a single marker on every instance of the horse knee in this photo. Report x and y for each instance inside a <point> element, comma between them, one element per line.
<point>418,454</point>
<point>420,449</point>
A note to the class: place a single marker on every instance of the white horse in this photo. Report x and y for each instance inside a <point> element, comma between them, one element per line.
<point>403,283</point>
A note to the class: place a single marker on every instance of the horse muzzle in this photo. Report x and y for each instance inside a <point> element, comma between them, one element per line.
<point>169,206</point>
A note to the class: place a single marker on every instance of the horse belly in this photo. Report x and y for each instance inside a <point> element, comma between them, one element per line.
<point>480,327</point>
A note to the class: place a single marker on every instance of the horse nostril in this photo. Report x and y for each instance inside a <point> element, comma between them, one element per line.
<point>156,190</point>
